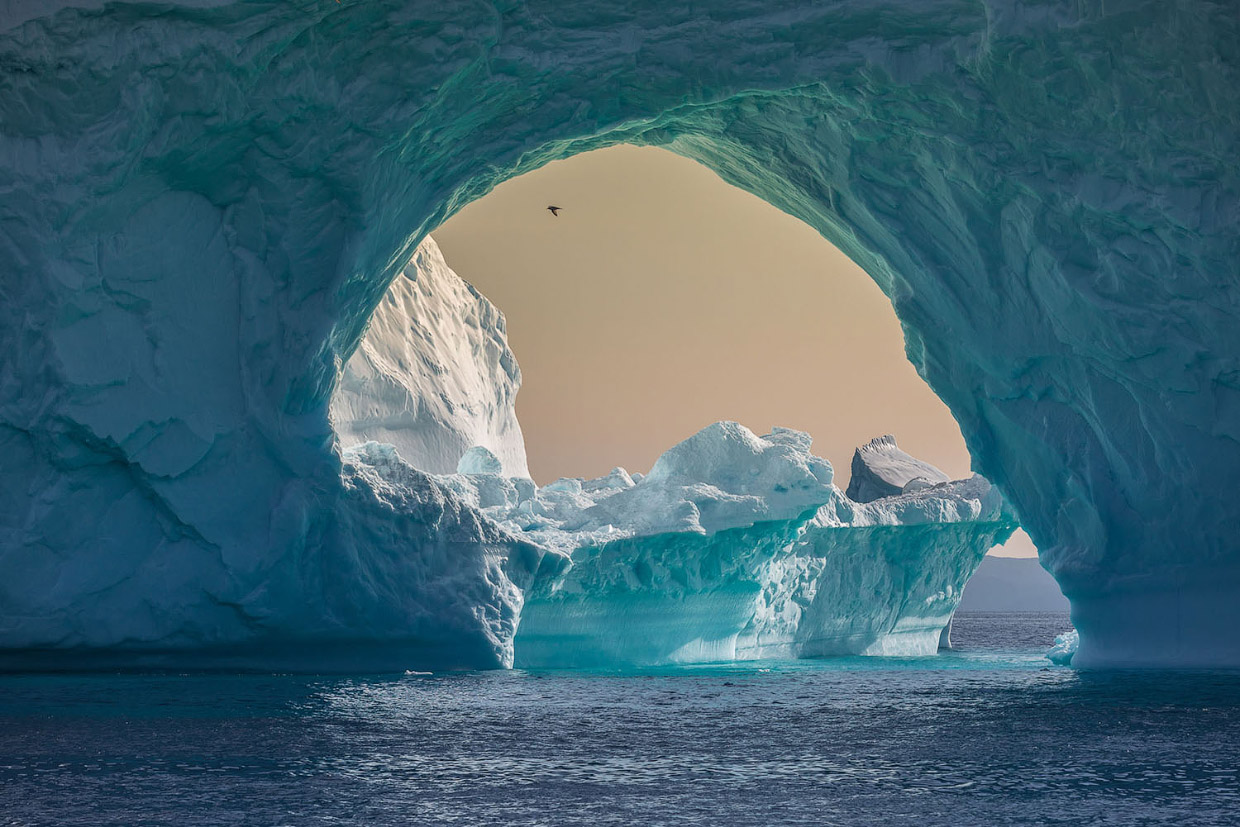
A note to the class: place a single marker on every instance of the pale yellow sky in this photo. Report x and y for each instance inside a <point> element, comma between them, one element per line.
<point>663,299</point>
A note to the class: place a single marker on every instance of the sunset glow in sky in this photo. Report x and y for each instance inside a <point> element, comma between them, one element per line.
<point>662,299</point>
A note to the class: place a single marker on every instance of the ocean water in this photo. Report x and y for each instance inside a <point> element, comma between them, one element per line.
<point>989,734</point>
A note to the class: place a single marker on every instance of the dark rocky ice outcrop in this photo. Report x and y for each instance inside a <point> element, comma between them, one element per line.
<point>881,469</point>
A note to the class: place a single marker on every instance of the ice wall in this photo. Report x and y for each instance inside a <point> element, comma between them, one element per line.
<point>205,201</point>
<point>433,375</point>
<point>162,513</point>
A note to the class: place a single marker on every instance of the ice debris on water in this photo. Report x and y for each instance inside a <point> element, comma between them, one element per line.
<point>1064,648</point>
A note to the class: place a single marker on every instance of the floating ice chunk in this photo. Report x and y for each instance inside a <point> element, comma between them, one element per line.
<point>881,469</point>
<point>1064,648</point>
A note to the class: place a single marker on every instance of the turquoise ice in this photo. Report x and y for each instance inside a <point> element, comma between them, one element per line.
<point>733,547</point>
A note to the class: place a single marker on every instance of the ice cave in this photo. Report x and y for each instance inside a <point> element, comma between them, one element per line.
<point>206,201</point>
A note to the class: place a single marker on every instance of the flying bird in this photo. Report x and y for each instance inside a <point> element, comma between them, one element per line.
<point>555,211</point>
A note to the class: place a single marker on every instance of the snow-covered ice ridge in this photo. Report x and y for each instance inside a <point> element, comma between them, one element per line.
<point>733,547</point>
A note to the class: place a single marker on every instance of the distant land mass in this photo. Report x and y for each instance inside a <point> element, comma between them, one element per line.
<point>1012,584</point>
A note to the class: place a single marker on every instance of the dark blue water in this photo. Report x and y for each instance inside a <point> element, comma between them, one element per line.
<point>988,735</point>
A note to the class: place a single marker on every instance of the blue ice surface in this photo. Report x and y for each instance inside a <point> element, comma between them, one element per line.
<point>989,734</point>
<point>205,201</point>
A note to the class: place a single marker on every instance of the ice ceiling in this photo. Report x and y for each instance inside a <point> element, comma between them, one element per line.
<point>204,201</point>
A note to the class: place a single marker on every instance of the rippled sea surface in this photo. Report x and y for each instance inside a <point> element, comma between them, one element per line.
<point>990,734</point>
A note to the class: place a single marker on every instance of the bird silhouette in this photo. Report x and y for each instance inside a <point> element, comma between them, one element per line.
<point>555,211</point>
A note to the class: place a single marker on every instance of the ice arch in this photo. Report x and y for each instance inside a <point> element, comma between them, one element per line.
<point>204,199</point>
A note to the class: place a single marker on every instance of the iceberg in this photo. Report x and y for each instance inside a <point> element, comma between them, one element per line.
<point>205,202</point>
<point>736,547</point>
